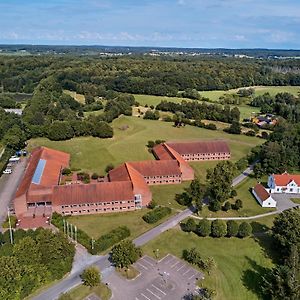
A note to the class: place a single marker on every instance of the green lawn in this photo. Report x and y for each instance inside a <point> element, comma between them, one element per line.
<point>94,154</point>
<point>82,291</point>
<point>296,200</point>
<point>273,90</point>
<point>165,194</point>
<point>239,261</point>
<point>99,224</point>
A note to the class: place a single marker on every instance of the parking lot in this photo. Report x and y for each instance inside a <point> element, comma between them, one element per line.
<point>169,278</point>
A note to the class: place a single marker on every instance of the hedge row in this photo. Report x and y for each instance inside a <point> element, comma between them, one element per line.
<point>156,214</point>
<point>113,237</point>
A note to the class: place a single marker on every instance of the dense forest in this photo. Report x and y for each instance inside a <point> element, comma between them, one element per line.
<point>143,75</point>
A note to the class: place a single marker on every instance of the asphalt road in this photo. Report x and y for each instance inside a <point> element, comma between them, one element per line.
<point>104,264</point>
<point>8,186</point>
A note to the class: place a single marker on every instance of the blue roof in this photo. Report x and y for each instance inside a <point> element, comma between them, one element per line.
<point>39,171</point>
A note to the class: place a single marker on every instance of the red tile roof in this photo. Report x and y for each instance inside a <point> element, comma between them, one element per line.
<point>92,193</point>
<point>119,174</point>
<point>156,167</point>
<point>261,192</point>
<point>161,152</point>
<point>285,178</point>
<point>200,147</point>
<point>55,161</point>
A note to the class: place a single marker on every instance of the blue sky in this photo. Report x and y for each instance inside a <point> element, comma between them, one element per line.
<point>176,23</point>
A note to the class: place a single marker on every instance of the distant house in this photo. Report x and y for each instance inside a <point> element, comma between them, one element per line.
<point>263,196</point>
<point>284,183</point>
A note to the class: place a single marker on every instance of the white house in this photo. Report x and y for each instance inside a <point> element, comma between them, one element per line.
<point>284,183</point>
<point>263,197</point>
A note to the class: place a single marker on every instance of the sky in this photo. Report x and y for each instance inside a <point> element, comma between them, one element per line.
<point>166,23</point>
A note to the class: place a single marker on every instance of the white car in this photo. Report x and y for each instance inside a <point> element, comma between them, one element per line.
<point>7,171</point>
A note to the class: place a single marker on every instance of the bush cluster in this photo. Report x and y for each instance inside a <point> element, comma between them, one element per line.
<point>156,214</point>
<point>217,228</point>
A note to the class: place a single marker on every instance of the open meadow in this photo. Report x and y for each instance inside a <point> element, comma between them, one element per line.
<point>94,154</point>
<point>240,262</point>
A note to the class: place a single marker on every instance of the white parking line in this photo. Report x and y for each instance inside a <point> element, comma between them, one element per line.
<point>167,256</point>
<point>137,298</point>
<point>181,267</point>
<point>192,276</point>
<point>169,260</point>
<point>153,294</point>
<point>186,272</point>
<point>175,264</point>
<point>145,296</point>
<point>159,289</point>
<point>142,266</point>
<point>146,261</point>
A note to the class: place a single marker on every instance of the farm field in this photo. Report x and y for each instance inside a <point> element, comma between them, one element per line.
<point>99,224</point>
<point>239,261</point>
<point>94,154</point>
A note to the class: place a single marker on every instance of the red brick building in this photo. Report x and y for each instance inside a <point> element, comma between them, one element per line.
<point>194,151</point>
<point>127,187</point>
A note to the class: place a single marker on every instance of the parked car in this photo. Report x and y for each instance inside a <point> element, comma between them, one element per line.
<point>7,171</point>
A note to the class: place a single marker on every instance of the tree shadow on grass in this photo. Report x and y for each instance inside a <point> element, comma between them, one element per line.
<point>259,227</point>
<point>266,242</point>
<point>253,278</point>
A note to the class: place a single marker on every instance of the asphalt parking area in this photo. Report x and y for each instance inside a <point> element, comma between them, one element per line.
<point>172,277</point>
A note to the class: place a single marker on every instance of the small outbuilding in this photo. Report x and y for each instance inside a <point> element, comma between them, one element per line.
<point>263,196</point>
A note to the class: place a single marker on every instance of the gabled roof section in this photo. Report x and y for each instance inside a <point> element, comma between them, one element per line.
<point>285,178</point>
<point>261,192</point>
<point>92,193</point>
<point>119,174</point>
<point>161,152</point>
<point>200,147</point>
<point>43,169</point>
<point>154,168</point>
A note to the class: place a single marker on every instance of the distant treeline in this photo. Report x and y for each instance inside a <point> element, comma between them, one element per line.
<point>166,76</point>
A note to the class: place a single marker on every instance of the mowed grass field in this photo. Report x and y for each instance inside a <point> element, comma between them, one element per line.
<point>94,154</point>
<point>239,261</point>
<point>245,110</point>
<point>97,225</point>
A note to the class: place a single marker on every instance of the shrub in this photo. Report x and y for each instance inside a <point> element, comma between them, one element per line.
<point>91,277</point>
<point>184,199</point>
<point>109,167</point>
<point>95,176</point>
<point>250,133</point>
<point>108,240</point>
<point>152,204</point>
<point>238,204</point>
<point>125,254</point>
<point>218,228</point>
<point>156,214</point>
<point>66,171</point>
<point>233,194</point>
<point>245,229</point>
<point>226,206</point>
<point>151,144</point>
<point>189,225</point>
<point>203,228</point>
<point>232,228</point>
<point>215,205</point>
<point>210,126</point>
